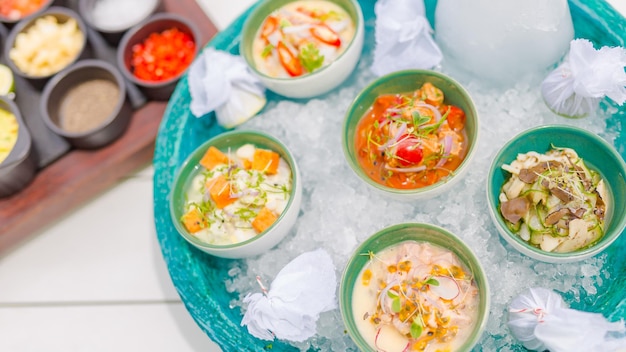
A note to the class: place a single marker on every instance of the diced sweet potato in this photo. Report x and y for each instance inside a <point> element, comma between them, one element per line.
<point>247,164</point>
<point>263,220</point>
<point>194,221</point>
<point>219,189</point>
<point>213,157</point>
<point>265,160</point>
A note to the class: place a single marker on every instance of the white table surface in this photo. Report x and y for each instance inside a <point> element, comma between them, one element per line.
<point>95,280</point>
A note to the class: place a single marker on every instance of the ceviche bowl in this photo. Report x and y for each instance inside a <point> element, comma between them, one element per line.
<point>237,195</point>
<point>306,56</point>
<point>437,271</point>
<point>565,213</point>
<point>411,134</point>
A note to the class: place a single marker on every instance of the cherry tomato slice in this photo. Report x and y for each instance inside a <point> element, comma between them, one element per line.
<point>289,61</point>
<point>270,25</point>
<point>408,151</point>
<point>326,35</point>
<point>456,118</point>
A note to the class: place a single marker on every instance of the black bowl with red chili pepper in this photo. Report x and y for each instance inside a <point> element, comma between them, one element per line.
<point>155,54</point>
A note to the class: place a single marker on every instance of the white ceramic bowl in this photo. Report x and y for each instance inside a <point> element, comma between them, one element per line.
<point>261,242</point>
<point>320,81</point>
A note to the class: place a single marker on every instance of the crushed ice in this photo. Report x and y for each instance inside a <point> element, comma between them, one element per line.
<point>339,211</point>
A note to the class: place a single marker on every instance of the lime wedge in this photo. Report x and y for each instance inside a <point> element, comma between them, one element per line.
<point>7,84</point>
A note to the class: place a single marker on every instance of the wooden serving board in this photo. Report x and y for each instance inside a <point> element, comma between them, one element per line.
<point>81,175</point>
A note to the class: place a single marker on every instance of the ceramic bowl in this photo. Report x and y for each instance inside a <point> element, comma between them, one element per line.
<point>62,15</point>
<point>417,232</point>
<point>113,32</point>
<point>55,99</point>
<point>18,168</point>
<point>154,90</point>
<point>320,81</point>
<point>264,240</point>
<point>596,153</point>
<point>405,82</point>
<point>10,21</point>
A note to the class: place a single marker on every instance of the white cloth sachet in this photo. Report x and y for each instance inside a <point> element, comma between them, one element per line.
<point>221,82</point>
<point>403,37</point>
<point>302,290</point>
<point>586,76</point>
<point>541,320</point>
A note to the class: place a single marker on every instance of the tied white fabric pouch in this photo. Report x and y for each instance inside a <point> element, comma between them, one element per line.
<point>585,77</point>
<point>221,82</point>
<point>541,320</point>
<point>403,37</point>
<point>302,290</point>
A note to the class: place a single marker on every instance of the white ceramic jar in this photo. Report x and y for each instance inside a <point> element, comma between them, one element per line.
<point>503,41</point>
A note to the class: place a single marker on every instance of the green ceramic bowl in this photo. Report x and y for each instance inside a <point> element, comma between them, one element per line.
<point>318,82</point>
<point>263,241</point>
<point>392,235</point>
<point>596,153</point>
<point>404,82</point>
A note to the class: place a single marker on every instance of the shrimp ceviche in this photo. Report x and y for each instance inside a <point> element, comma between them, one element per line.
<point>415,296</point>
<point>236,196</point>
<point>411,140</point>
<point>554,201</point>
<point>302,37</point>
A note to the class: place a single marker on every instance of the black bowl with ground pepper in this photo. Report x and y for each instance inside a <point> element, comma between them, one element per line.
<point>87,104</point>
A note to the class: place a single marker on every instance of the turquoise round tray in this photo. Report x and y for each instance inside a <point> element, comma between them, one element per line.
<point>199,277</point>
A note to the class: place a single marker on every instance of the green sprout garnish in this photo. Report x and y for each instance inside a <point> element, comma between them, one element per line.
<point>310,57</point>
<point>416,329</point>
<point>267,50</point>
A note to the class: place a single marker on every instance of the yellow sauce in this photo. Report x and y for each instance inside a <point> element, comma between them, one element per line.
<point>8,133</point>
<point>424,316</point>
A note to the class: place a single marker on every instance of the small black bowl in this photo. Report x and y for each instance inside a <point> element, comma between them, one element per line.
<point>10,22</point>
<point>18,169</point>
<point>154,90</point>
<point>54,100</point>
<point>113,35</point>
<point>62,15</point>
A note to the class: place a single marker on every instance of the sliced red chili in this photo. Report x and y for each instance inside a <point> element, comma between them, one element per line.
<point>289,61</point>
<point>326,35</point>
<point>270,25</point>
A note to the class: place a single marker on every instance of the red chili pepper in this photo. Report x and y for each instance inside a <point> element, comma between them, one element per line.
<point>326,35</point>
<point>289,61</point>
<point>162,55</point>
<point>270,25</point>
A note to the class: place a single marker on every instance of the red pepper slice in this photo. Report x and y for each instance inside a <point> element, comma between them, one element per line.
<point>270,25</point>
<point>326,35</point>
<point>408,151</point>
<point>289,61</point>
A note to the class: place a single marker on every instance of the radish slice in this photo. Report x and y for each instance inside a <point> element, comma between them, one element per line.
<point>447,288</point>
<point>447,148</point>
